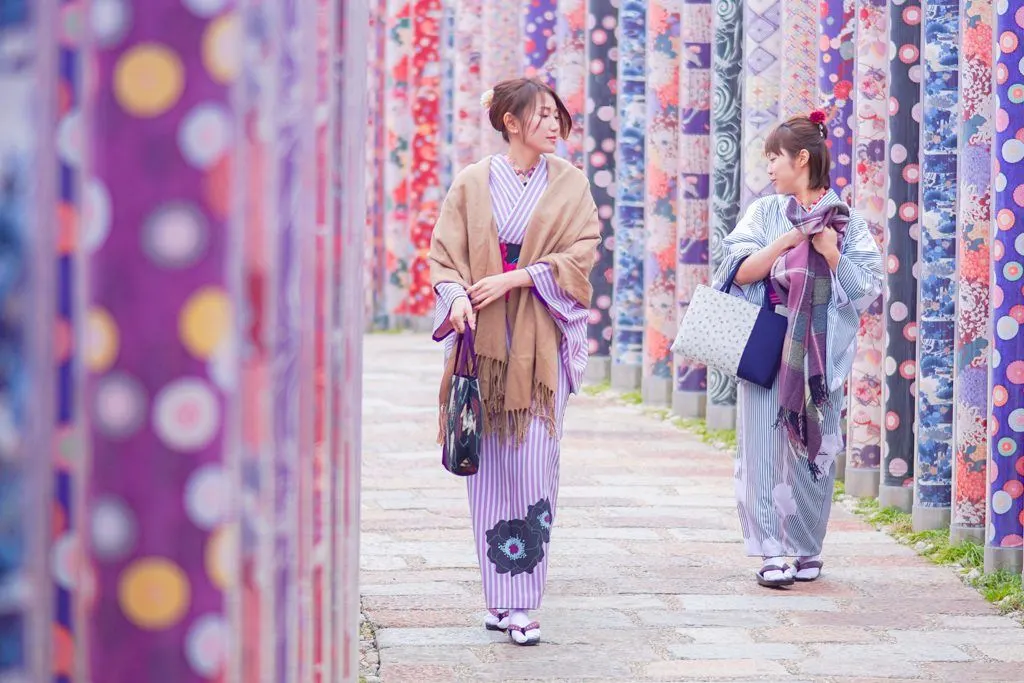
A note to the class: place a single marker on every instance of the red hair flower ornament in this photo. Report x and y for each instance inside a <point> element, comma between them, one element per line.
<point>818,117</point>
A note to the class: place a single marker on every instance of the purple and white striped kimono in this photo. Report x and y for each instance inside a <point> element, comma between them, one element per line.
<point>516,489</point>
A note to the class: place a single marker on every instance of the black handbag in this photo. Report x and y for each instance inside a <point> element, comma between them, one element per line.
<point>464,429</point>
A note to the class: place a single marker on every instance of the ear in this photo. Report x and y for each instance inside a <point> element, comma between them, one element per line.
<point>510,123</point>
<point>803,158</point>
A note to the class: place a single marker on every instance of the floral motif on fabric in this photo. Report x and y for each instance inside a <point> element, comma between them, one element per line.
<point>515,547</point>
<point>539,517</point>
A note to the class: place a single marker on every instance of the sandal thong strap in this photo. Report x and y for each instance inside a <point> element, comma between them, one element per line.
<point>532,626</point>
<point>773,568</point>
<point>809,564</point>
<point>497,613</point>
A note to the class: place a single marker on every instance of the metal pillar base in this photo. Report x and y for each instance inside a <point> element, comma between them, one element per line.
<point>1009,559</point>
<point>689,404</point>
<point>862,483</point>
<point>841,467</point>
<point>899,497</point>
<point>959,533</point>
<point>721,417</point>
<point>625,377</point>
<point>656,391</point>
<point>599,370</point>
<point>929,519</point>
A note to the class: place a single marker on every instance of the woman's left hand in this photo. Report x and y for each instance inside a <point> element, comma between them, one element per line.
<point>489,289</point>
<point>826,242</point>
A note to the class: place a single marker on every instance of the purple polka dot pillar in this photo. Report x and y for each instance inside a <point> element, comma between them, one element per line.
<point>1006,419</point>
<point>161,383</point>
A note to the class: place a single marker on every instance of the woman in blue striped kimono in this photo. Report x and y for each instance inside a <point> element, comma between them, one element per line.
<point>510,259</point>
<point>817,261</point>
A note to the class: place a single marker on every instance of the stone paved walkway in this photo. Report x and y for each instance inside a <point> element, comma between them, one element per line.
<point>648,580</point>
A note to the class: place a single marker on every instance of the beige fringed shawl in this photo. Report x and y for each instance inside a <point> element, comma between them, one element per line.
<point>517,383</point>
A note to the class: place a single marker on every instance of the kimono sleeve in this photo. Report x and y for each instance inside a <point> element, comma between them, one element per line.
<point>447,294</point>
<point>748,237</point>
<point>859,272</point>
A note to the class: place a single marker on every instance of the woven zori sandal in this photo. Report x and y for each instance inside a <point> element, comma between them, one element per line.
<point>525,635</point>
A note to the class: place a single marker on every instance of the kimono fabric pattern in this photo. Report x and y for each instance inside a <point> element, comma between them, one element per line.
<point>783,507</point>
<point>513,497</point>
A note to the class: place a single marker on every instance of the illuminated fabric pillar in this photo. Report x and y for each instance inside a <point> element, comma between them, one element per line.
<point>726,162</point>
<point>761,83</point>
<point>161,433</point>
<point>835,87</point>
<point>690,391</point>
<point>936,311</point>
<point>798,86</point>
<point>501,60</point>
<point>973,339</point>
<point>599,152</point>
<point>539,39</point>
<point>628,288</point>
<point>864,426</point>
<point>1006,419</point>
<point>661,212</point>
<point>468,83</point>
<point>900,297</point>
<point>572,72</point>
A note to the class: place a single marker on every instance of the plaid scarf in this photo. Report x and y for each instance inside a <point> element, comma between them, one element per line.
<point>804,281</point>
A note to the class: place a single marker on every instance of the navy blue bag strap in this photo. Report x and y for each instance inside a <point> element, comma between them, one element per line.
<point>727,285</point>
<point>465,354</point>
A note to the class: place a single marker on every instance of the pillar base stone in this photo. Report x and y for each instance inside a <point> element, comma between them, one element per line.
<point>1009,559</point>
<point>656,391</point>
<point>599,370</point>
<point>929,519</point>
<point>625,377</point>
<point>862,482</point>
<point>721,417</point>
<point>899,497</point>
<point>958,533</point>
<point>689,404</point>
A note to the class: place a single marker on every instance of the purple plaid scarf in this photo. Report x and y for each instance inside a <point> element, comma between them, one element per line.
<point>802,278</point>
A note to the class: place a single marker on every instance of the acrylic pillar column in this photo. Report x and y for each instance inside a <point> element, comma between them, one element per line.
<point>835,86</point>
<point>661,206</point>
<point>66,442</point>
<point>28,203</point>
<point>161,390</point>
<point>937,266</point>
<point>973,339</point>
<point>689,398</point>
<point>762,46</point>
<point>539,42</point>
<point>571,74</point>
<point>902,228</point>
<point>398,99</point>
<point>468,83</point>
<point>599,152</point>
<point>345,355</point>
<point>798,93</point>
<point>726,154</point>
<point>425,191</point>
<point>501,59</point>
<point>376,282</point>
<point>628,272</point>
<point>864,417</point>
<point>1006,419</point>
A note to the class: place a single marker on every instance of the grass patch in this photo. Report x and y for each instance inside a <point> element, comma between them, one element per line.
<point>596,389</point>
<point>839,491</point>
<point>721,438</point>
<point>632,397</point>
<point>1002,588</point>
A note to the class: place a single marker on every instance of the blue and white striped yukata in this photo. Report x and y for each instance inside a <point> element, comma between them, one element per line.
<point>783,511</point>
<point>516,483</point>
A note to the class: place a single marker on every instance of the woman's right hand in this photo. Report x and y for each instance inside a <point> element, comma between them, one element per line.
<point>461,314</point>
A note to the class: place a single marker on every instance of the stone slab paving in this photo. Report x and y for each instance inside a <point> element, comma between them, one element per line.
<point>648,580</point>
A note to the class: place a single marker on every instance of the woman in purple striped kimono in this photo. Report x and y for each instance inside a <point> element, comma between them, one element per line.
<point>818,263</point>
<point>510,259</point>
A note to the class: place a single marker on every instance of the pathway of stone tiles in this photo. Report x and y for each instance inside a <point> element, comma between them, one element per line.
<point>648,580</point>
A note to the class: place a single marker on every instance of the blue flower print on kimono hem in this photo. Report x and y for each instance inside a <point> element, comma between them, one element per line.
<point>516,546</point>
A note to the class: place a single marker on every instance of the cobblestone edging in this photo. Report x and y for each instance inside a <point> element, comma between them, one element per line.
<point>369,657</point>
